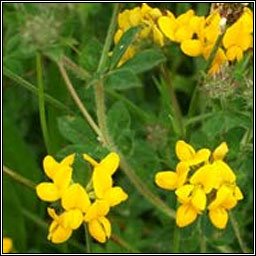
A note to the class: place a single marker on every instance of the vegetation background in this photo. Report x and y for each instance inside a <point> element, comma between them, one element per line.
<point>140,120</point>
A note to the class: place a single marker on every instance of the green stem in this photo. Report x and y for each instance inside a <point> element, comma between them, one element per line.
<point>106,139</point>
<point>203,247</point>
<point>41,101</point>
<point>199,118</point>
<point>174,102</point>
<point>237,234</point>
<point>109,38</point>
<point>176,239</point>
<point>80,72</point>
<point>32,88</point>
<point>118,240</point>
<point>194,99</point>
<point>87,239</point>
<point>176,236</point>
<point>20,179</point>
<point>101,112</point>
<point>77,100</point>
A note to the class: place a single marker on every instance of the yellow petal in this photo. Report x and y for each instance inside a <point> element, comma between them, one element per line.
<point>118,35</point>
<point>224,172</point>
<point>222,194</point>
<point>167,26</point>
<point>199,199</point>
<point>73,219</point>
<point>47,191</point>
<point>166,180</point>
<point>51,166</point>
<point>115,196</point>
<point>135,16</point>
<point>52,213</point>
<point>110,163</point>
<point>59,235</point>
<point>98,209</point>
<point>220,152</point>
<point>100,229</point>
<point>183,33</point>
<point>102,182</point>
<point>184,18</point>
<point>158,36</point>
<point>184,151</point>
<point>238,193</point>
<point>123,20</point>
<point>74,197</point>
<point>184,193</point>
<point>205,176</point>
<point>234,53</point>
<point>106,225</point>
<point>7,244</point>
<point>68,160</point>
<point>90,160</point>
<point>219,217</point>
<point>185,215</point>
<point>192,47</point>
<point>182,170</point>
<point>62,178</point>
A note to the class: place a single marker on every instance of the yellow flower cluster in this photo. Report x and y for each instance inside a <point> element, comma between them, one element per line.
<point>197,35</point>
<point>77,204</point>
<point>7,245</point>
<point>143,16</point>
<point>202,180</point>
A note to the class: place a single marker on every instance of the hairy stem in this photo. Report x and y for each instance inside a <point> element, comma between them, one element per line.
<point>77,100</point>
<point>41,101</point>
<point>20,179</point>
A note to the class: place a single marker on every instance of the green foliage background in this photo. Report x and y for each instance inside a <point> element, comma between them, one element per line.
<point>140,119</point>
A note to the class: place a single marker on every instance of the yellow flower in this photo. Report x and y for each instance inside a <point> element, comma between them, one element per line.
<point>226,199</point>
<point>106,196</point>
<point>186,153</point>
<point>193,200</point>
<point>171,180</point>
<point>7,245</point>
<point>60,229</point>
<point>75,197</point>
<point>238,37</point>
<point>60,174</point>
<point>100,229</point>
<point>102,179</point>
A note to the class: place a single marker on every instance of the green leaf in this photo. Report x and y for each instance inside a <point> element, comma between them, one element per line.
<point>19,157</point>
<point>145,61</point>
<point>76,130</point>
<point>120,49</point>
<point>122,79</point>
<point>90,54</point>
<point>13,220</point>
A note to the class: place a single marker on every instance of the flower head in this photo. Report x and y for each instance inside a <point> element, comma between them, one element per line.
<point>201,178</point>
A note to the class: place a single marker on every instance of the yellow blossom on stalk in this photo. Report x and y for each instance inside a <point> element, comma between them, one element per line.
<point>60,174</point>
<point>186,153</point>
<point>75,202</point>
<point>106,196</point>
<point>143,16</point>
<point>209,184</point>
<point>7,245</point>
<point>238,37</point>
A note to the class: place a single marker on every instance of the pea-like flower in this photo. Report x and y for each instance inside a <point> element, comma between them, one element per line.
<point>60,174</point>
<point>105,194</point>
<point>202,181</point>
<point>77,205</point>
